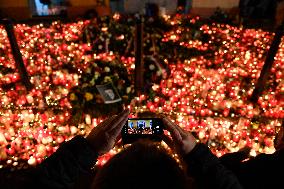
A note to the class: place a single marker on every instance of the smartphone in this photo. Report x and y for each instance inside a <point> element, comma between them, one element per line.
<point>139,128</point>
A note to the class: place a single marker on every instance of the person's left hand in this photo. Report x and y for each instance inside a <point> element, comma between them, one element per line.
<point>103,137</point>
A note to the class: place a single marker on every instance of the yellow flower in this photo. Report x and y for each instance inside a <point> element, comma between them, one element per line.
<point>73,97</point>
<point>88,96</point>
<point>107,79</point>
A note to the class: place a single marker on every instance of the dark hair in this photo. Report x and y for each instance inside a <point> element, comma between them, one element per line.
<point>142,165</point>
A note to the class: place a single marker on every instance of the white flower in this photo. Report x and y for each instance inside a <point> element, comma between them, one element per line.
<point>107,69</point>
<point>128,90</point>
<point>116,75</point>
<point>151,67</point>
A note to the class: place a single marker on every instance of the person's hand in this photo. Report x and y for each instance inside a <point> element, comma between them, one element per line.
<point>181,140</point>
<point>103,137</point>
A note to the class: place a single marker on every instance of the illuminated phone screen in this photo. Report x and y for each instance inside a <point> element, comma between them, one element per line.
<point>140,127</point>
<point>136,128</point>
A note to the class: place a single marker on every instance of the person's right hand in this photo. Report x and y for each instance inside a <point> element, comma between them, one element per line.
<point>181,140</point>
<point>103,137</point>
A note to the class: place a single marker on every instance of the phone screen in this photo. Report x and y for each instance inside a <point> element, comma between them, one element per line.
<point>136,128</point>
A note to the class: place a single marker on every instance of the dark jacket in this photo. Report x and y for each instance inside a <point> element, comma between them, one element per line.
<point>262,171</point>
<point>208,171</point>
<point>76,158</point>
<point>63,169</point>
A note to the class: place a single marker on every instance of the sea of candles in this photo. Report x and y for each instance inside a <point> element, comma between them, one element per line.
<point>208,93</point>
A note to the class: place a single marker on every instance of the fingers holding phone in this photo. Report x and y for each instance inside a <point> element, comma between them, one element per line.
<point>103,137</point>
<point>182,140</point>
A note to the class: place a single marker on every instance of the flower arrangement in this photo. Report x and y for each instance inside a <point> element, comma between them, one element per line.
<point>85,97</point>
